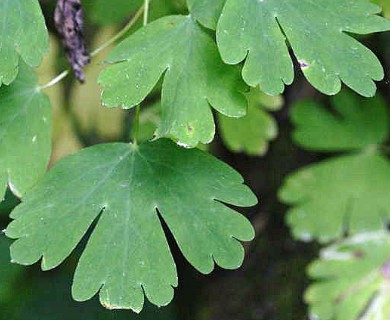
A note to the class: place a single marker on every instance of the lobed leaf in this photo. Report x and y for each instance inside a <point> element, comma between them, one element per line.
<point>206,12</point>
<point>178,49</point>
<point>23,35</point>
<point>352,279</point>
<point>345,194</point>
<point>127,189</point>
<point>25,125</point>
<point>354,124</point>
<point>251,134</point>
<point>317,30</point>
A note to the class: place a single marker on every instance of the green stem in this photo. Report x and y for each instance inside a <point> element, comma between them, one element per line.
<point>121,33</point>
<point>136,124</point>
<point>138,108</point>
<point>106,44</point>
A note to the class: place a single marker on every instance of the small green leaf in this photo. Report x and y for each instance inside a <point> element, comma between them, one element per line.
<point>25,125</point>
<point>206,12</point>
<point>349,193</point>
<point>23,33</point>
<point>352,279</point>
<point>354,124</point>
<point>177,48</point>
<point>127,189</point>
<point>251,133</point>
<point>256,31</point>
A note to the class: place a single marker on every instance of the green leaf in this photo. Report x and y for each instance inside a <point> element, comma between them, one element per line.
<point>127,189</point>
<point>23,34</point>
<point>349,193</point>
<point>25,125</point>
<point>194,78</point>
<point>256,31</point>
<point>206,12</point>
<point>352,279</point>
<point>251,133</point>
<point>385,4</point>
<point>354,124</point>
<point>108,12</point>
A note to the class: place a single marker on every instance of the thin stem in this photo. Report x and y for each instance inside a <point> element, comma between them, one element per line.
<point>138,108</point>
<point>121,33</point>
<point>146,12</point>
<point>55,80</point>
<point>95,52</point>
<point>136,124</point>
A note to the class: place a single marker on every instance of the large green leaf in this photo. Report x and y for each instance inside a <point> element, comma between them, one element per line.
<point>23,33</point>
<point>206,12</point>
<point>317,31</point>
<point>251,134</point>
<point>352,279</point>
<point>349,193</point>
<point>194,78</point>
<point>25,125</point>
<point>354,124</point>
<point>127,189</point>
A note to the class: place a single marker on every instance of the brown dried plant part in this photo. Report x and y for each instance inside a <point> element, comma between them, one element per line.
<point>69,19</point>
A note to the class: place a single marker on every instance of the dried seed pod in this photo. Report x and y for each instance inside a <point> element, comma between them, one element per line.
<point>69,18</point>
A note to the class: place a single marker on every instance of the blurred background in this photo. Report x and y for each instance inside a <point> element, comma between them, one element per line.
<point>271,282</point>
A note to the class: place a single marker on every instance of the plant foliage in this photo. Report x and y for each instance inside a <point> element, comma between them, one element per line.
<point>18,39</point>
<point>197,61</point>
<point>124,188</point>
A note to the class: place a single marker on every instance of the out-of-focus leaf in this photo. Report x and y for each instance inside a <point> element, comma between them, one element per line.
<point>121,186</point>
<point>352,279</point>
<point>105,12</point>
<point>23,35</point>
<point>109,12</point>
<point>178,49</point>
<point>349,193</point>
<point>354,124</point>
<point>25,124</point>
<point>252,133</point>
<point>256,31</point>
<point>385,4</point>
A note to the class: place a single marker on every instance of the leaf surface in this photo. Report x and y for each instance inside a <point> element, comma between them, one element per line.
<point>25,125</point>
<point>206,12</point>
<point>23,34</point>
<point>176,48</point>
<point>352,279</point>
<point>257,31</point>
<point>251,134</point>
<point>345,194</point>
<point>127,190</point>
<point>351,124</point>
